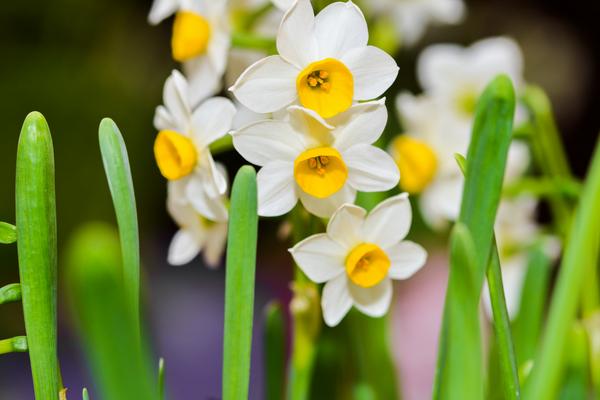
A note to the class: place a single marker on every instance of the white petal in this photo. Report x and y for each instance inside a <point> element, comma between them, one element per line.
<point>389,222</point>
<point>340,27</point>
<point>184,247</point>
<point>200,196</point>
<point>296,41</point>
<point>440,202</point>
<point>212,120</point>
<point>362,123</point>
<point>374,301</point>
<point>220,42</point>
<point>373,70</point>
<point>492,56</point>
<point>161,9</point>
<point>335,300</point>
<point>407,258</point>
<point>276,191</point>
<point>345,225</point>
<point>370,169</point>
<point>203,79</point>
<point>163,120</point>
<point>324,208</point>
<point>178,206</point>
<point>267,85</point>
<point>266,141</point>
<point>314,130</point>
<point>215,245</point>
<point>214,177</point>
<point>439,66</point>
<point>283,5</point>
<point>175,98</point>
<point>319,257</point>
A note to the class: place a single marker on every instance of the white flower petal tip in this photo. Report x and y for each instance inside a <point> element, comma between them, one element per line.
<point>320,258</point>
<point>406,259</point>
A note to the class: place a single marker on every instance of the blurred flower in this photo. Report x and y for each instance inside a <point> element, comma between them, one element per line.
<point>196,234</point>
<point>359,256</point>
<point>438,122</point>
<point>324,63</point>
<point>283,4</point>
<point>200,40</point>
<point>411,17</point>
<point>323,164</point>
<point>181,147</point>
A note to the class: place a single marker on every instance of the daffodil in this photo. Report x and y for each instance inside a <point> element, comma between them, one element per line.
<point>196,233</point>
<point>321,163</point>
<point>411,17</point>
<point>324,63</point>
<point>358,257</point>
<point>182,149</point>
<point>200,40</point>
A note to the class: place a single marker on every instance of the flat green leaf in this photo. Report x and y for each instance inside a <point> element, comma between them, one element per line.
<point>36,244</point>
<point>105,322</point>
<point>84,394</point>
<point>161,378</point>
<point>8,233</point>
<point>275,355</point>
<point>10,293</point>
<point>239,285</point>
<point>486,161</point>
<point>118,173</point>
<point>576,380</point>
<point>528,323</point>
<point>581,251</point>
<point>462,377</point>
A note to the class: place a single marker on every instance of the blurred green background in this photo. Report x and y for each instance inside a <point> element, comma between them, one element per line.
<point>77,61</point>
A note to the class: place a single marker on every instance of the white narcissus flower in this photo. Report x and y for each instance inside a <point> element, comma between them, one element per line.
<point>321,163</point>
<point>201,40</point>
<point>438,122</point>
<point>359,256</point>
<point>324,63</point>
<point>181,147</point>
<point>411,17</point>
<point>196,234</point>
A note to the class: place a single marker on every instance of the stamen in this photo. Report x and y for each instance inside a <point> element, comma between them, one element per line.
<point>324,160</point>
<point>323,74</point>
<point>319,79</point>
<point>312,82</point>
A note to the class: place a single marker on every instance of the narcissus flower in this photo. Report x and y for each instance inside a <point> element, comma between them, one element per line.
<point>322,164</point>
<point>197,233</point>
<point>411,18</point>
<point>181,147</point>
<point>358,257</point>
<point>200,40</point>
<point>324,63</point>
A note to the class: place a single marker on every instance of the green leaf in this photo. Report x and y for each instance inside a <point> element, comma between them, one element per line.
<point>581,251</point>
<point>239,285</point>
<point>105,322</point>
<point>36,244</point>
<point>10,293</point>
<point>576,381</point>
<point>8,233</point>
<point>274,345</point>
<point>528,323</point>
<point>17,344</point>
<point>118,173</point>
<point>462,375</point>
<point>486,161</point>
<point>504,348</point>
<point>84,394</point>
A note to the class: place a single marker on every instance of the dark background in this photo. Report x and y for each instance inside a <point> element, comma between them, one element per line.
<point>77,61</point>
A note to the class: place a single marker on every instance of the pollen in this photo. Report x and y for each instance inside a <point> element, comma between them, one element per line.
<point>416,161</point>
<point>175,154</point>
<point>320,172</point>
<point>326,86</point>
<point>367,265</point>
<point>191,34</point>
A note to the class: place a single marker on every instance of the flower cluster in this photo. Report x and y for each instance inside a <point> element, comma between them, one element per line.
<point>307,117</point>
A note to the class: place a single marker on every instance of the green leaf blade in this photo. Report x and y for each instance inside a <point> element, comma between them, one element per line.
<point>274,345</point>
<point>239,285</point>
<point>120,182</point>
<point>36,244</point>
<point>8,233</point>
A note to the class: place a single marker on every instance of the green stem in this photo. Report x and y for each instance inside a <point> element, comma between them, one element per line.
<point>274,345</point>
<point>504,342</point>
<point>8,233</point>
<point>161,379</point>
<point>239,285</point>
<point>10,293</point>
<point>13,345</point>
<point>36,219</point>
<point>581,251</point>
<point>243,40</point>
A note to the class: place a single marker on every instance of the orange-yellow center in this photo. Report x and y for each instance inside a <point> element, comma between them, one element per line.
<point>320,172</point>
<point>367,265</point>
<point>416,161</point>
<point>191,34</point>
<point>175,154</point>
